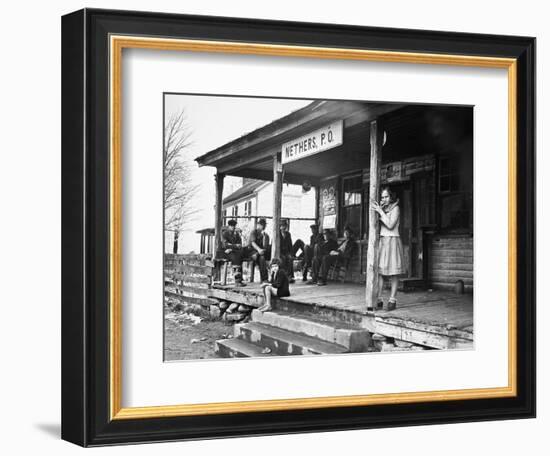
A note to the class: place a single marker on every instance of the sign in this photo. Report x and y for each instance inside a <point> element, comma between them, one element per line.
<point>325,138</point>
<point>329,222</point>
<point>391,172</point>
<point>328,200</point>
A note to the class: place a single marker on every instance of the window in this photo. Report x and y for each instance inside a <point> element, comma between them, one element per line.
<point>455,194</point>
<point>449,175</point>
<point>235,210</point>
<point>352,196</point>
<point>248,208</point>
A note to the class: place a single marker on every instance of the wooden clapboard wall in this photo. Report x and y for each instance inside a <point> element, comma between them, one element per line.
<point>452,259</point>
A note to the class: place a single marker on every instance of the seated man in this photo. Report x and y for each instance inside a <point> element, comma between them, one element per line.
<point>259,249</point>
<point>233,251</point>
<point>310,250</point>
<point>286,251</point>
<point>322,250</point>
<point>342,253</point>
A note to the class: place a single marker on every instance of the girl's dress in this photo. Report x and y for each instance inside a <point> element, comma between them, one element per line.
<point>390,256</point>
<point>281,282</point>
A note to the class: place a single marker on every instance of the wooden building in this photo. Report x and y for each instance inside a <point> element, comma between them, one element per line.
<point>347,150</point>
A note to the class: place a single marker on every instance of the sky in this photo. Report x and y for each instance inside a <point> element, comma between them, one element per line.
<point>214,121</point>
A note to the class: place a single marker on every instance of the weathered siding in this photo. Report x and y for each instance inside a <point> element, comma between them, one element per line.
<point>452,259</point>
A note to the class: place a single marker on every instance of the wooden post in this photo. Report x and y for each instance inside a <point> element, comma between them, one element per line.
<point>219,211</point>
<point>376,138</point>
<point>317,189</point>
<point>277,198</point>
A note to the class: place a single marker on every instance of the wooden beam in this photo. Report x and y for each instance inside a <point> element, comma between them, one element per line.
<point>376,138</point>
<point>277,200</point>
<point>218,212</point>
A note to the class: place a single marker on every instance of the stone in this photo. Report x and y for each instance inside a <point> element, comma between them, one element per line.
<point>223,305</point>
<point>243,308</point>
<point>215,311</point>
<point>402,343</point>
<point>234,316</point>
<point>232,308</point>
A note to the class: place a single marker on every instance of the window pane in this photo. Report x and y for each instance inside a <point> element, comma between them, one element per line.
<point>351,198</point>
<point>444,184</point>
<point>352,216</point>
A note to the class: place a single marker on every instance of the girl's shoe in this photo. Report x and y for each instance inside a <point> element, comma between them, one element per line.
<point>379,305</point>
<point>392,304</point>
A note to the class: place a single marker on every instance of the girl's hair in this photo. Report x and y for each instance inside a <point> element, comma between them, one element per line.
<point>275,261</point>
<point>386,188</point>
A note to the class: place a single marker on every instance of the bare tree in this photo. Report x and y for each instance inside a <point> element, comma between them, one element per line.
<point>179,189</point>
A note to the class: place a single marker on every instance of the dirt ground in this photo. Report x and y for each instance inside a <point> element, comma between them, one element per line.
<point>191,336</point>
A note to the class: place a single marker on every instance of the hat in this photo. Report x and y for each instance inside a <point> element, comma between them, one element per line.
<point>261,222</point>
<point>283,222</point>
<point>314,225</point>
<point>232,222</point>
<point>327,231</point>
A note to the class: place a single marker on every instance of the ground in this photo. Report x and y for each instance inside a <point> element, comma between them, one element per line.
<point>190,336</point>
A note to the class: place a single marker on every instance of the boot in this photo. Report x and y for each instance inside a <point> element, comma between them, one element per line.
<point>239,278</point>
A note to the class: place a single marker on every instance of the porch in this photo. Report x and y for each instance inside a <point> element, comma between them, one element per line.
<point>423,319</point>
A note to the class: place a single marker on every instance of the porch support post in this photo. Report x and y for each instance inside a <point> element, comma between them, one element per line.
<point>218,212</point>
<point>277,198</point>
<point>376,139</point>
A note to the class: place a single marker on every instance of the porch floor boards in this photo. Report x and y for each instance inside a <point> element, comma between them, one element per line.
<point>446,310</point>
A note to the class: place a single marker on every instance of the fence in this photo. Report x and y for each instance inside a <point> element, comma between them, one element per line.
<point>188,278</point>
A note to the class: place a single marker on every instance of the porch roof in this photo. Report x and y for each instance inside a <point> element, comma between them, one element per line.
<point>411,130</point>
<point>252,155</point>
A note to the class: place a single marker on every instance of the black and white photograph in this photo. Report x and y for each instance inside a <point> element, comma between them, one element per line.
<point>316,227</point>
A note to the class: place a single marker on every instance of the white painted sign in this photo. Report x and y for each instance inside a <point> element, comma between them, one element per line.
<point>329,222</point>
<point>317,141</point>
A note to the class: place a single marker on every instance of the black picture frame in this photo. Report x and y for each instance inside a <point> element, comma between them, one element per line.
<point>85,227</point>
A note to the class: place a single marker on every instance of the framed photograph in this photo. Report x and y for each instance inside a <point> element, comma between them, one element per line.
<point>279,227</point>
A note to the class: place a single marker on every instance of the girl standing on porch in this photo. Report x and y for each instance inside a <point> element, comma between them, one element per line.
<point>277,285</point>
<point>390,252</point>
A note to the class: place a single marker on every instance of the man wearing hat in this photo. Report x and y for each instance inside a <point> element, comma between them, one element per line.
<point>311,250</point>
<point>259,248</point>
<point>287,255</point>
<point>232,246</point>
<point>328,245</point>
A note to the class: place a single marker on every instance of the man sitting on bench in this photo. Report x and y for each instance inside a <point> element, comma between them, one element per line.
<point>232,246</point>
<point>287,251</point>
<point>330,255</point>
<point>259,248</point>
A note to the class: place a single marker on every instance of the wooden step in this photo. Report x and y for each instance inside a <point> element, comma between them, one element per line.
<point>238,348</point>
<point>353,337</point>
<point>283,342</point>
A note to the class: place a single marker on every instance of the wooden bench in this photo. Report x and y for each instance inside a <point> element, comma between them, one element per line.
<point>222,265</point>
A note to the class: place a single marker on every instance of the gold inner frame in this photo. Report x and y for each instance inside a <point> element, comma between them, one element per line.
<point>117,44</point>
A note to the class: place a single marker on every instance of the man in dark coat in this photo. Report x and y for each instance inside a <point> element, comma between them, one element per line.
<point>341,254</point>
<point>232,246</point>
<point>286,251</point>
<point>259,248</point>
<point>310,250</point>
<point>323,249</point>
